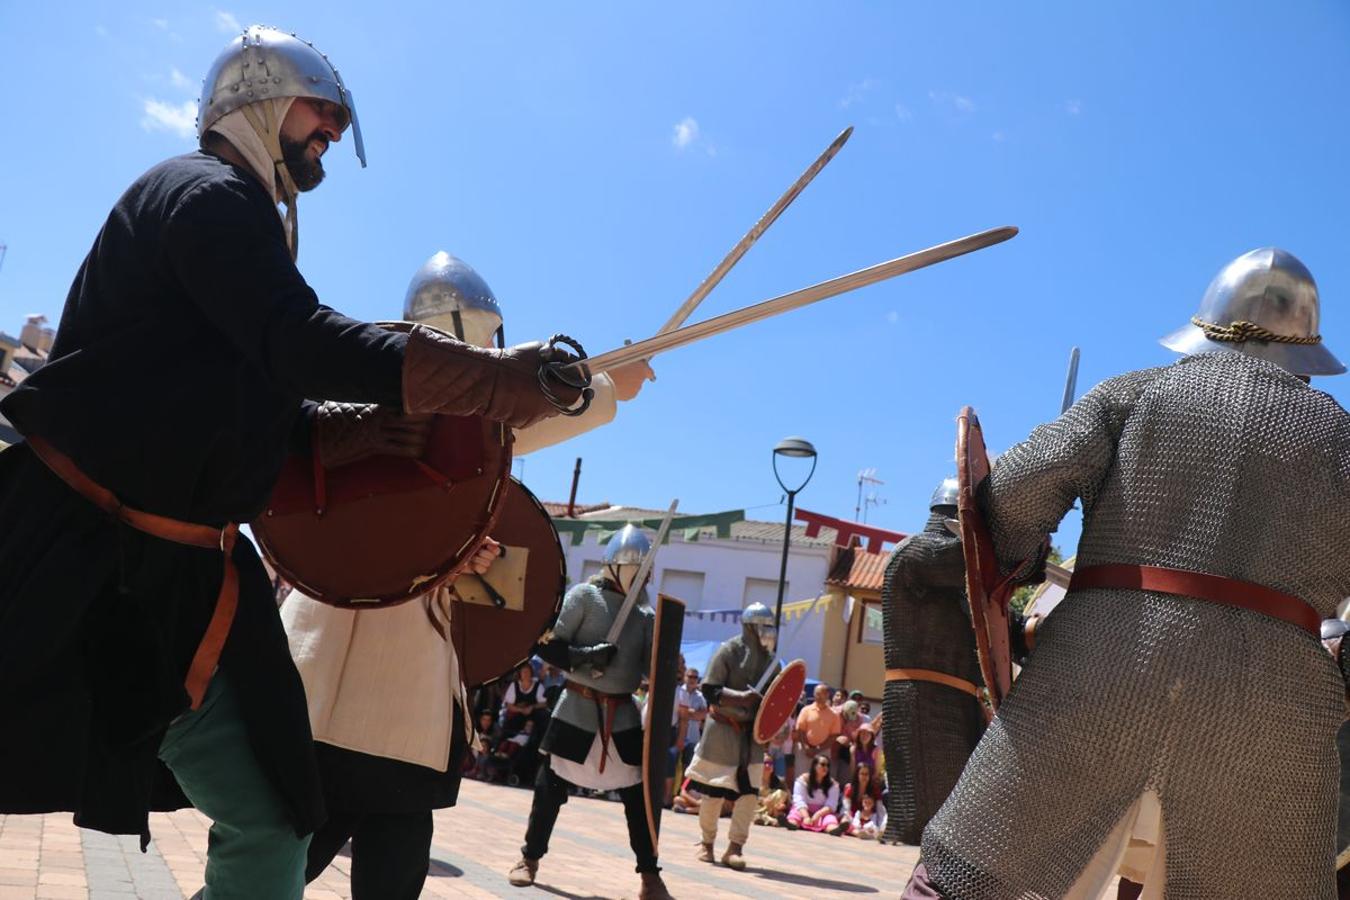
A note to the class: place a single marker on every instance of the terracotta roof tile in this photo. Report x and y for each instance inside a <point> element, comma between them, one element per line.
<point>857,570</point>
<point>748,530</point>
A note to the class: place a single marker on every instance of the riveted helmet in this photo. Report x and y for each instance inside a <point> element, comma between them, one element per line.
<point>264,63</point>
<point>946,494</point>
<point>1264,304</point>
<point>628,547</point>
<point>447,293</point>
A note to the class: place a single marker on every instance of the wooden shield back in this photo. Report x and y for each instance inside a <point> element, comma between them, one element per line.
<point>780,700</point>
<point>662,680</point>
<point>987,591</point>
<point>494,635</point>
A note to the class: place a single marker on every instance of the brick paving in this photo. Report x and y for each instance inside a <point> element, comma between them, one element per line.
<point>48,858</point>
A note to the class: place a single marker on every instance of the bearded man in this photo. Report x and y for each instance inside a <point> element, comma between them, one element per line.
<point>134,626</point>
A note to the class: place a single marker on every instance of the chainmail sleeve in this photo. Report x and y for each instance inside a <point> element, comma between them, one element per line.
<point>1035,483</point>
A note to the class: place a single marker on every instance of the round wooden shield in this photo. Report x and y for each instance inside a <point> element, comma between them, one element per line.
<point>385,529</point>
<point>780,700</point>
<point>501,615</point>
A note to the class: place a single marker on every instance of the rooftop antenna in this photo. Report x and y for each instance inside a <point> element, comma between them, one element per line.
<point>866,476</point>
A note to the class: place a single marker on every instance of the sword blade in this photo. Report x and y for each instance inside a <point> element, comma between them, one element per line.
<point>715,277</point>
<point>643,571</point>
<point>1070,382</point>
<point>826,289</point>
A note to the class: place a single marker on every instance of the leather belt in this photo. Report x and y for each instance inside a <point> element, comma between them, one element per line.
<point>934,677</point>
<point>610,702</point>
<point>1201,586</point>
<point>207,656</point>
<point>726,719</point>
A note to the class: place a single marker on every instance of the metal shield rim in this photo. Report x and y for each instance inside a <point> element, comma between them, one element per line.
<point>772,688</point>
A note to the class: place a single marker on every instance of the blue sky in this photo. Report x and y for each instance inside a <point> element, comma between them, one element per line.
<point>594,161</point>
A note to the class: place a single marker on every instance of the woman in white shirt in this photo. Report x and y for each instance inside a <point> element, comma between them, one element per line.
<point>815,799</point>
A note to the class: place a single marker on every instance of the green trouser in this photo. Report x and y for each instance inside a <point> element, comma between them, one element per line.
<point>253,852</point>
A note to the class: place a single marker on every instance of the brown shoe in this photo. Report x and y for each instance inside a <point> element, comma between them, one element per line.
<point>732,858</point>
<point>522,873</point>
<point>705,853</point>
<point>653,888</point>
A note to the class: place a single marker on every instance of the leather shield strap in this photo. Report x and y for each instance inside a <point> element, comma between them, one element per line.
<point>951,681</point>
<point>1212,588</point>
<point>207,656</point>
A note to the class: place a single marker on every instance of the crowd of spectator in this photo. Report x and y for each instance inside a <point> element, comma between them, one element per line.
<point>823,771</point>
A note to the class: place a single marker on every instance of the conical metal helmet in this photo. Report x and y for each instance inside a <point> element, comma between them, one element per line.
<point>264,63</point>
<point>757,614</point>
<point>1264,304</point>
<point>627,547</point>
<point>946,493</point>
<point>447,293</point>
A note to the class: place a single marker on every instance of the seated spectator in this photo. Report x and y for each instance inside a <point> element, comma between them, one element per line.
<point>815,798</point>
<point>865,749</point>
<point>869,822</point>
<point>689,799</point>
<point>863,784</point>
<point>524,701</point>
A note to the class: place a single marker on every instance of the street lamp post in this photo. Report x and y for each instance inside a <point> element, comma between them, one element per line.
<point>797,448</point>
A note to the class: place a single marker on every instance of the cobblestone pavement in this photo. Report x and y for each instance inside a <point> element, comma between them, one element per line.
<point>48,858</point>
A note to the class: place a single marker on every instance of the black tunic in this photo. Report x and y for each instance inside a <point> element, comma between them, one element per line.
<point>187,346</point>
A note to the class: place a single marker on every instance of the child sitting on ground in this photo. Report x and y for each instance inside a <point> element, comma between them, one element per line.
<point>869,821</point>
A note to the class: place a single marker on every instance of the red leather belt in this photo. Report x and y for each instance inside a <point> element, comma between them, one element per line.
<point>204,661</point>
<point>610,702</point>
<point>1212,588</point>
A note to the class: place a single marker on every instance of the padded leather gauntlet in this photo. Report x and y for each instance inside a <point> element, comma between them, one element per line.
<point>443,375</point>
<point>347,432</point>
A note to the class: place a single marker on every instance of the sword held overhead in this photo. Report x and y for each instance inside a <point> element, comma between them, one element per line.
<point>744,244</point>
<point>793,300</point>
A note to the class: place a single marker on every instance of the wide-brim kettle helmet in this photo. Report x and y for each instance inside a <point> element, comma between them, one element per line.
<point>1263,304</point>
<point>448,293</point>
<point>267,63</point>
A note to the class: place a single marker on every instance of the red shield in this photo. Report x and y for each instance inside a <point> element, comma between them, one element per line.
<point>986,589</point>
<point>500,616</point>
<point>385,529</point>
<point>780,700</point>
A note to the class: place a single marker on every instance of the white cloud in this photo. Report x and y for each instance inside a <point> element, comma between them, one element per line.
<point>902,112</point>
<point>855,92</point>
<point>686,132</point>
<point>999,137</point>
<point>179,119</point>
<point>180,80</point>
<point>956,102</point>
<point>161,24</point>
<point>1073,107</point>
<point>892,317</point>
<point>100,31</point>
<point>227,22</point>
